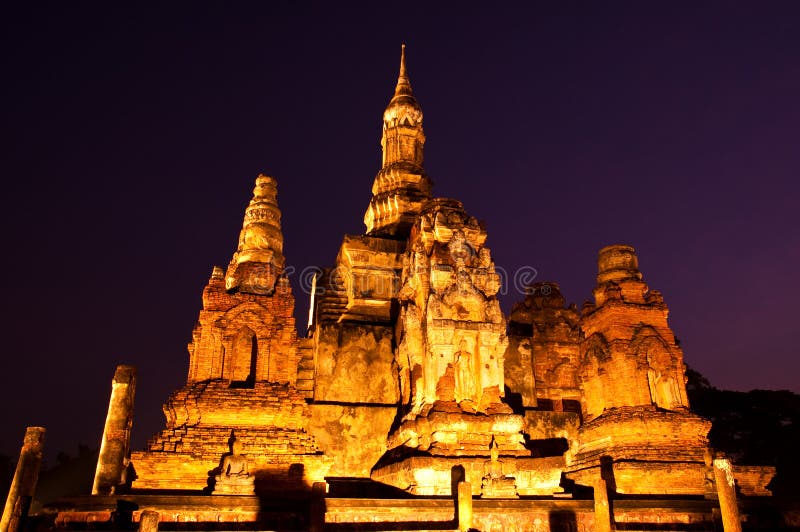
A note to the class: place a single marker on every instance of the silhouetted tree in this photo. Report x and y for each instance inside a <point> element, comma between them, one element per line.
<point>70,476</point>
<point>759,427</point>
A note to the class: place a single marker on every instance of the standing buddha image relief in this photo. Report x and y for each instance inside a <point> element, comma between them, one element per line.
<point>464,373</point>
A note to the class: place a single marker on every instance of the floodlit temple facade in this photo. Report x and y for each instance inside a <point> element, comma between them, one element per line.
<point>414,403</point>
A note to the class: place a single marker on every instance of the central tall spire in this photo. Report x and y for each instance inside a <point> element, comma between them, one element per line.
<point>401,185</point>
<point>403,83</point>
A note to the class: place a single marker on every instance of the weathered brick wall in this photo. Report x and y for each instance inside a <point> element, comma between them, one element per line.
<point>225,316</point>
<point>355,364</point>
<point>270,420</point>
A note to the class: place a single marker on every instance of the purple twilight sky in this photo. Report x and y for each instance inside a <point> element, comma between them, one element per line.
<point>132,137</point>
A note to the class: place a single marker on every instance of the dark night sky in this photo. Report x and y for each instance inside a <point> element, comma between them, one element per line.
<point>132,137</point>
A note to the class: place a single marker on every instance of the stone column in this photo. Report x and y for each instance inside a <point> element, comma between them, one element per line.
<point>726,490</point>
<point>602,510</point>
<point>148,521</point>
<point>464,506</point>
<point>115,446</point>
<point>317,510</point>
<point>709,482</point>
<point>23,486</point>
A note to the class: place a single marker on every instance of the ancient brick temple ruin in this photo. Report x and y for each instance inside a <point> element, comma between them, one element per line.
<point>414,402</point>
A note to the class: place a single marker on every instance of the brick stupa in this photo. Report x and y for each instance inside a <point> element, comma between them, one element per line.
<point>242,381</point>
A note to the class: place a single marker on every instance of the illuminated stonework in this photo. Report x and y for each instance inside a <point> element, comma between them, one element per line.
<point>412,378</point>
<point>243,374</point>
<point>258,260</point>
<point>401,186</point>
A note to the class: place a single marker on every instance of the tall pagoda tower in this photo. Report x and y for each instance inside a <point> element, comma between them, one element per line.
<point>401,186</point>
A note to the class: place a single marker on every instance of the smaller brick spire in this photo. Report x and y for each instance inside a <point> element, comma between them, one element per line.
<point>617,263</point>
<point>258,260</point>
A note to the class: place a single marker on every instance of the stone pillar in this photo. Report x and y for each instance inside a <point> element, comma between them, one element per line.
<point>464,506</point>
<point>709,482</point>
<point>23,486</point>
<point>602,510</point>
<point>115,446</point>
<point>317,510</point>
<point>148,521</point>
<point>726,490</point>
